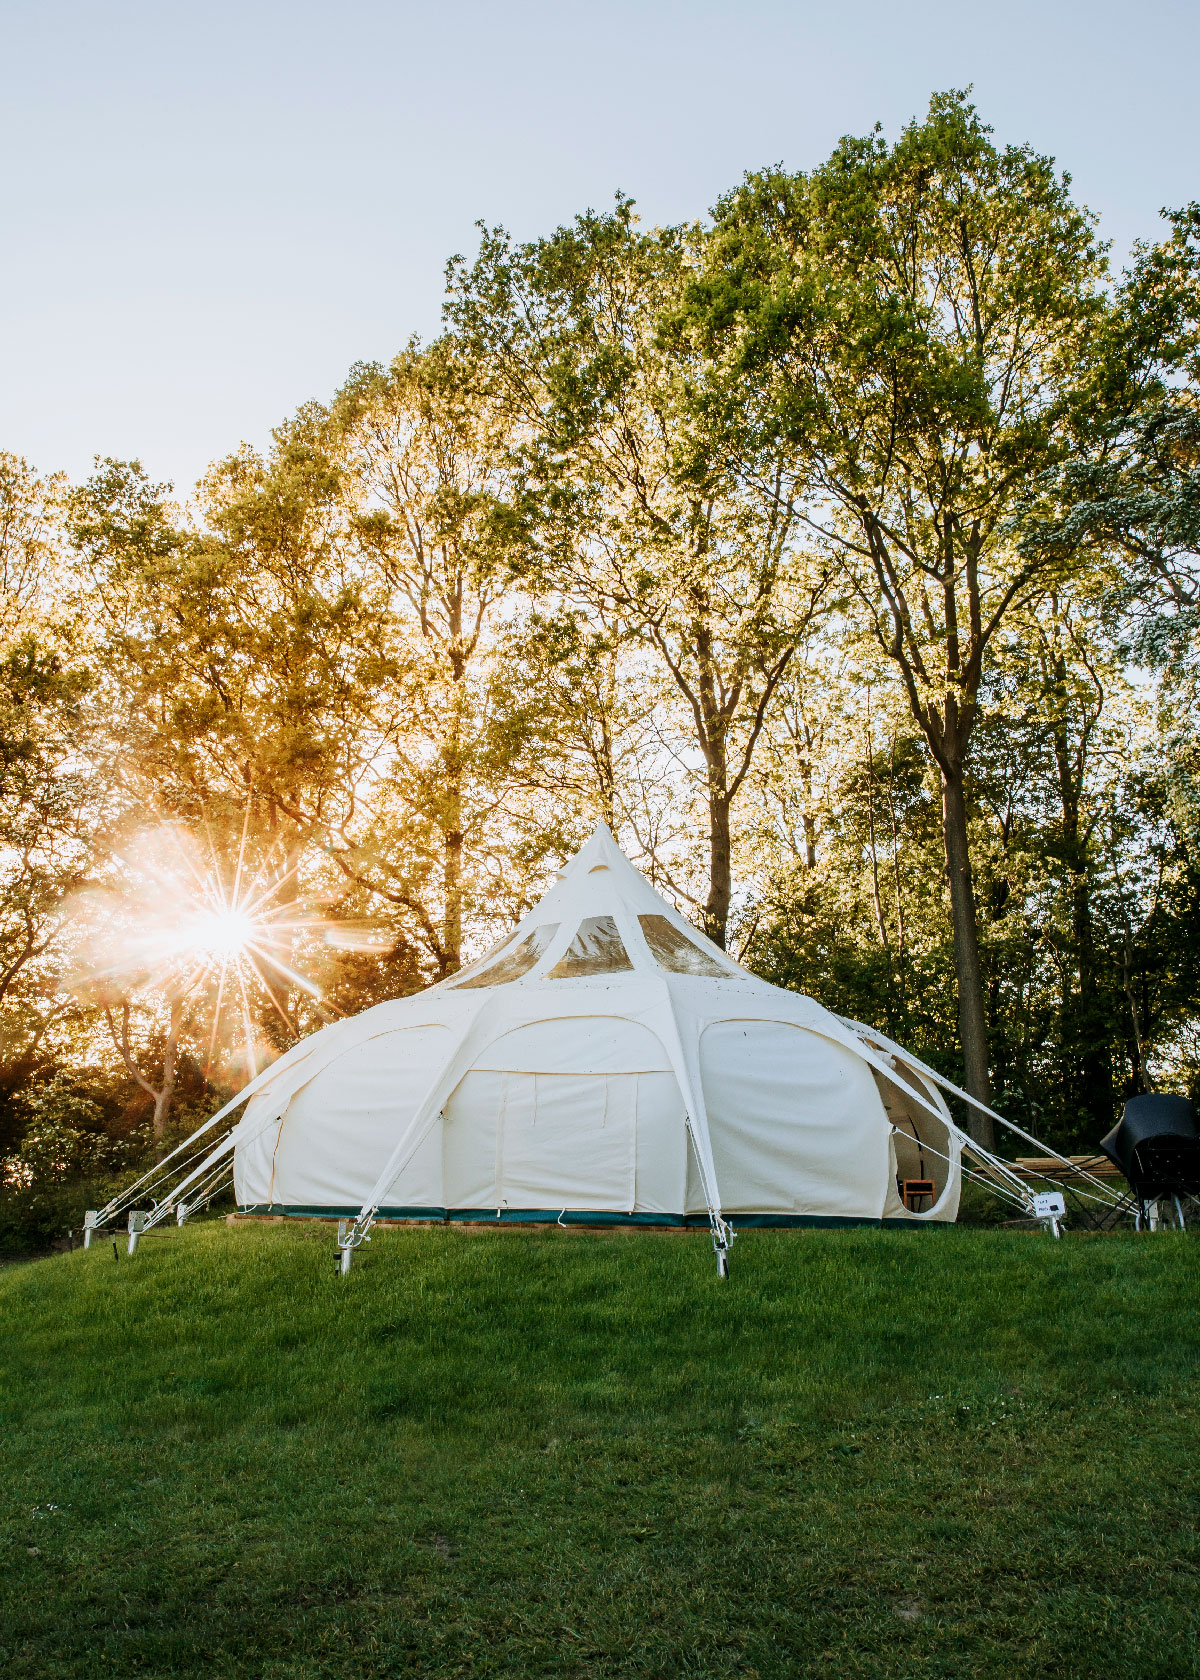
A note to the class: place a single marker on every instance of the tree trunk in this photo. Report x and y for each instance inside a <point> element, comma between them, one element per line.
<point>972,1017</point>
<point>808,819</point>
<point>452,843</point>
<point>289,905</point>
<point>163,1096</point>
<point>1139,1076</point>
<point>716,910</point>
<point>876,898</point>
<point>452,847</point>
<point>606,769</point>
<point>897,883</point>
<point>1088,1016</point>
<point>1087,1057</point>
<point>452,806</point>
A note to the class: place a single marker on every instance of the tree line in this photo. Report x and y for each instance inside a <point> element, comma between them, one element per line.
<point>839,550</point>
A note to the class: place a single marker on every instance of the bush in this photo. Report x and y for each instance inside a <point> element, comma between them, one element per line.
<point>66,1162</point>
<point>35,1219</point>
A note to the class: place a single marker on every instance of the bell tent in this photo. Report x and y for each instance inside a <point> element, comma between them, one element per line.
<point>605,1064</point>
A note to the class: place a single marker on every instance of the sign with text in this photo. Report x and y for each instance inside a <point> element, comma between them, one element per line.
<point>1049,1204</point>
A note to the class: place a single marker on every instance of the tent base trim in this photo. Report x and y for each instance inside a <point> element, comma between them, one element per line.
<point>559,1216</point>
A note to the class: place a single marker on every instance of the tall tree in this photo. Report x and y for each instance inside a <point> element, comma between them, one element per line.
<point>237,656</point>
<point>916,318</point>
<point>50,796</point>
<point>423,457</point>
<point>1131,495</point>
<point>582,684</point>
<point>634,499</point>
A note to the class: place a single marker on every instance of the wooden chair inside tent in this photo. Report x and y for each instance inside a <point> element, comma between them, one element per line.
<point>915,1190</point>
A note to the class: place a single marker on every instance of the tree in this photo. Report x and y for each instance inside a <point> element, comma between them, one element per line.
<point>162,1093</point>
<point>585,697</point>
<point>632,500</point>
<point>1130,496</point>
<point>49,794</point>
<point>916,319</point>
<point>235,659</point>
<point>423,459</point>
<point>1133,486</point>
<point>851,858</point>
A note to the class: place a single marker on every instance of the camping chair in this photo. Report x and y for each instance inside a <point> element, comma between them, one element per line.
<point>914,1190</point>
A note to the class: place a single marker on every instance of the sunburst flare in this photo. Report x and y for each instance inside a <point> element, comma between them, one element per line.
<point>182,926</point>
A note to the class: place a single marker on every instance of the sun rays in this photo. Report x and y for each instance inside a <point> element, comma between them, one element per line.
<point>217,935</point>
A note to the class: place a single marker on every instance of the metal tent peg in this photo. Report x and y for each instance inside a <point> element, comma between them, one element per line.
<point>1050,1206</point>
<point>722,1237</point>
<point>138,1222</point>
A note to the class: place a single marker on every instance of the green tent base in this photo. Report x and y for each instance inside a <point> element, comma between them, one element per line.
<point>559,1216</point>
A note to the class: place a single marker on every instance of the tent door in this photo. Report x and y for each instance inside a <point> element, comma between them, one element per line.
<point>568,1141</point>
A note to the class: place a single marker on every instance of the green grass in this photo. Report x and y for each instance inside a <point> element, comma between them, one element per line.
<point>514,1453</point>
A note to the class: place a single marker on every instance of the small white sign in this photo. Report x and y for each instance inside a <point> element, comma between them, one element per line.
<point>1049,1204</point>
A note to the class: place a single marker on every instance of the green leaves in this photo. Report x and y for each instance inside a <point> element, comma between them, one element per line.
<point>662,528</point>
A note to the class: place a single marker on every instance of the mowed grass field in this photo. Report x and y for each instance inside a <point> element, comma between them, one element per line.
<point>574,1453</point>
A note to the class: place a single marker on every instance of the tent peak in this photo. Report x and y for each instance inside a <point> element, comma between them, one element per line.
<point>600,850</point>
<point>602,837</point>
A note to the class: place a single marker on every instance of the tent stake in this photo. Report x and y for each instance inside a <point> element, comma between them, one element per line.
<point>137,1224</point>
<point>1050,1206</point>
<point>89,1226</point>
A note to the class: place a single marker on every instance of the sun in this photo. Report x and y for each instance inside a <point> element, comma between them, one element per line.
<point>224,934</point>
<point>179,926</point>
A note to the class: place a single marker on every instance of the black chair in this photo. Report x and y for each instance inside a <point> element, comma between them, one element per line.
<point>1156,1145</point>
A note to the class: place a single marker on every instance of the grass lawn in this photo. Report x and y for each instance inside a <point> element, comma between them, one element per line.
<point>576,1453</point>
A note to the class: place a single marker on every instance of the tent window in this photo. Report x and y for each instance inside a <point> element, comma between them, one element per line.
<point>597,948</point>
<point>673,950</point>
<point>512,964</point>
<point>489,956</point>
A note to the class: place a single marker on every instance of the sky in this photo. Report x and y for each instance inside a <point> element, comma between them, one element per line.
<point>211,210</point>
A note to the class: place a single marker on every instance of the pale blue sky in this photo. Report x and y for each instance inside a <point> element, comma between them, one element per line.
<point>211,210</point>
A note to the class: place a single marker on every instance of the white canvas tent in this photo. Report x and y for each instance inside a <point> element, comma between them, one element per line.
<point>604,1064</point>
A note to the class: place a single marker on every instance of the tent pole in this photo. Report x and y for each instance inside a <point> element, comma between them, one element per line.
<point>692,1093</point>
